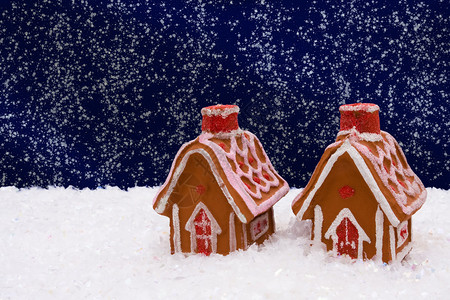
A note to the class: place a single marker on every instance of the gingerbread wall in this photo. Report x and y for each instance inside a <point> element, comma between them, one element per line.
<point>197,184</point>
<point>267,234</point>
<point>361,203</point>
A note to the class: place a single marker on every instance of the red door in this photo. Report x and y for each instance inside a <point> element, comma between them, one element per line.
<point>203,232</point>
<point>347,238</point>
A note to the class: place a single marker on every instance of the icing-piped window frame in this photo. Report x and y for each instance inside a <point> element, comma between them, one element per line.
<point>400,239</point>
<point>264,221</point>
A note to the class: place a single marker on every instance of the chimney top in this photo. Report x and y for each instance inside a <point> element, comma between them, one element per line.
<point>363,117</point>
<point>220,118</point>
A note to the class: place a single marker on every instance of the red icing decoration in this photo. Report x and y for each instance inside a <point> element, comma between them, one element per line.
<point>392,187</point>
<point>403,232</point>
<point>266,176</point>
<point>221,122</point>
<point>250,160</point>
<point>241,164</point>
<point>260,226</point>
<point>248,186</point>
<point>346,192</point>
<point>256,179</point>
<point>200,189</point>
<point>401,183</point>
<point>361,118</point>
<point>223,146</point>
<point>347,238</point>
<point>203,232</point>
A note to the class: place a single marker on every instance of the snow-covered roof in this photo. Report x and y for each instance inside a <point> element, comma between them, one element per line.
<point>383,166</point>
<point>239,164</point>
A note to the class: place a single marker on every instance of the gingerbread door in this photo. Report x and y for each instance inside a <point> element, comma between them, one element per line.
<point>203,229</point>
<point>347,238</point>
<point>347,235</point>
<point>203,232</point>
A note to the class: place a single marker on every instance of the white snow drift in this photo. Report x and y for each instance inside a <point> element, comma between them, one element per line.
<point>109,244</point>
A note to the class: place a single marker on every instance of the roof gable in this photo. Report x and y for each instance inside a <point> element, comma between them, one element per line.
<point>161,200</point>
<point>248,169</point>
<point>244,168</point>
<point>370,167</point>
<point>346,147</point>
<point>389,166</point>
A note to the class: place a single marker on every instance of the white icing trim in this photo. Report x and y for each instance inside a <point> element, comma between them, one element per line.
<point>161,206</point>
<point>346,147</point>
<point>220,111</point>
<point>318,221</point>
<point>401,255</point>
<point>215,228</point>
<point>232,232</point>
<point>164,200</point>
<point>389,151</point>
<point>401,240</point>
<point>331,232</point>
<point>176,228</point>
<point>225,135</point>
<point>368,107</point>
<point>249,146</point>
<point>244,235</point>
<point>392,242</point>
<point>249,142</point>
<point>379,219</point>
<point>261,218</point>
<point>365,136</point>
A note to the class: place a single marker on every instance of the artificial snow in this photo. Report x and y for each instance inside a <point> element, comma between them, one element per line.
<point>108,243</point>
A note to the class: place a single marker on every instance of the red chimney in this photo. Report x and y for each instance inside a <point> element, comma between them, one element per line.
<point>220,118</point>
<point>361,116</point>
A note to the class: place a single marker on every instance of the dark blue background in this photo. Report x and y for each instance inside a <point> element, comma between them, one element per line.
<point>104,93</point>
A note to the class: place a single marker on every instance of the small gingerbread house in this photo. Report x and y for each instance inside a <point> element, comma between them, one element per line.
<point>221,188</point>
<point>362,193</point>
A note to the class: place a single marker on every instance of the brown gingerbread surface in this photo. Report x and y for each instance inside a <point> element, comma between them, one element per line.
<point>222,187</point>
<point>362,193</point>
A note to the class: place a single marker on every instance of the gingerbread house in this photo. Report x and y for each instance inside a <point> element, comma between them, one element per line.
<point>362,193</point>
<point>220,189</point>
